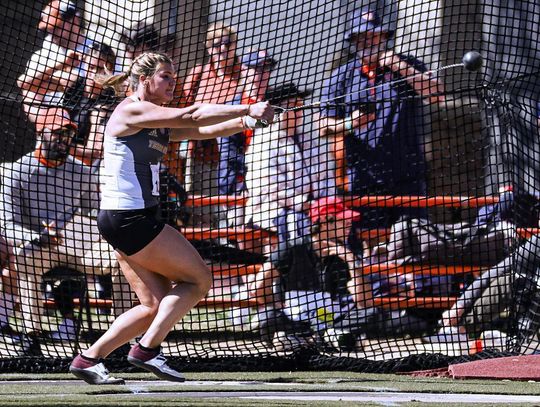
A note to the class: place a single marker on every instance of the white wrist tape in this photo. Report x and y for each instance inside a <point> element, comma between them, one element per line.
<point>252,123</point>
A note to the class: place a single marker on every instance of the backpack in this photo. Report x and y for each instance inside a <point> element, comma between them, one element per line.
<point>418,240</point>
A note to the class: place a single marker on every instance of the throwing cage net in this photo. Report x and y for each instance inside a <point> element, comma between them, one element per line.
<point>385,221</point>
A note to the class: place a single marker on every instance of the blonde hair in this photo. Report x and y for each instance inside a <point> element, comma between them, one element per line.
<point>145,64</point>
<point>219,30</point>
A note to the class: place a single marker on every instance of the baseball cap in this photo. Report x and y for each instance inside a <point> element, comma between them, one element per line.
<point>55,12</point>
<point>258,58</point>
<point>364,21</point>
<point>286,91</point>
<point>331,206</point>
<point>53,119</point>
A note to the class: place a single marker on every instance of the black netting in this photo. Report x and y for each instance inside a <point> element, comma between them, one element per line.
<point>385,221</point>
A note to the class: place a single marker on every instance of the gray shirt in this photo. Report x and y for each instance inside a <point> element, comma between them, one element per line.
<point>34,195</point>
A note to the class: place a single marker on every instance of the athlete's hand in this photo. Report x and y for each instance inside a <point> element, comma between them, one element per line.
<point>262,111</point>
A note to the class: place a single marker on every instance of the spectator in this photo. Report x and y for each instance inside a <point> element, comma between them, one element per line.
<point>89,103</point>
<point>376,121</point>
<point>509,285</point>
<point>305,274</point>
<point>53,67</point>
<point>139,38</point>
<point>484,242</point>
<point>320,282</point>
<point>332,222</point>
<point>256,69</point>
<point>277,178</point>
<point>215,81</point>
<point>328,225</point>
<point>357,314</point>
<point>279,186</point>
<point>488,240</point>
<point>41,194</point>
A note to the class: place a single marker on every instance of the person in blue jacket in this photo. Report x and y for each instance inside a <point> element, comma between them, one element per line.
<point>374,111</point>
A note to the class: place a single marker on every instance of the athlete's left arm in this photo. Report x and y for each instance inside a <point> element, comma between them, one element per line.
<point>224,129</point>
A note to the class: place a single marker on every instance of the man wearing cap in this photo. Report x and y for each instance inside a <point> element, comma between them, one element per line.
<point>41,195</point>
<point>58,60</point>
<point>377,119</point>
<point>277,179</point>
<point>333,222</point>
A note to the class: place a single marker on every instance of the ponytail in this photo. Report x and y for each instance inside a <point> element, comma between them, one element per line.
<point>115,82</point>
<point>145,64</point>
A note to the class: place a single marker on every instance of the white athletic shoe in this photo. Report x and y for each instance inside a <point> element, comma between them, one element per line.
<point>158,365</point>
<point>97,374</point>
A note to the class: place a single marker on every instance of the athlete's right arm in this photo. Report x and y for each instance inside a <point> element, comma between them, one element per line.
<point>148,115</point>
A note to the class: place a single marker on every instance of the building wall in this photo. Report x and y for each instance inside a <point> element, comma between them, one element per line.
<point>306,37</point>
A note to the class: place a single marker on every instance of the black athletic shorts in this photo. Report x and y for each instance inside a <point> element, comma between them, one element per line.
<point>130,230</point>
